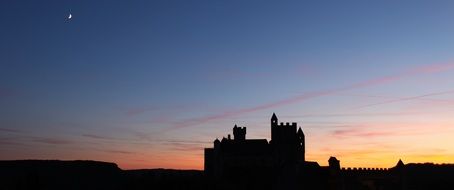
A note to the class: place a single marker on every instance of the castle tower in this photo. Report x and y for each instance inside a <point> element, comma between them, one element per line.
<point>334,163</point>
<point>285,143</point>
<point>239,133</point>
<point>301,144</point>
<point>274,119</point>
<point>274,126</point>
<point>282,133</point>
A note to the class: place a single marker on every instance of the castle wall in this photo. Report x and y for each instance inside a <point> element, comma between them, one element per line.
<point>209,161</point>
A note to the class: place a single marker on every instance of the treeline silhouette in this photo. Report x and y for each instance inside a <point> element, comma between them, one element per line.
<point>55,174</point>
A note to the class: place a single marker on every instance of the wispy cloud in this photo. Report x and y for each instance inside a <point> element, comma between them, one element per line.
<point>99,137</point>
<point>386,97</point>
<point>10,142</point>
<point>361,133</point>
<point>187,141</point>
<point>184,146</point>
<point>376,130</point>
<point>53,141</point>
<point>142,135</point>
<point>396,100</point>
<point>323,115</point>
<point>416,71</point>
<point>118,152</point>
<point>10,130</point>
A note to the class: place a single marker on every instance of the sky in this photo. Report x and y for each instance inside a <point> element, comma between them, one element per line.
<point>149,84</point>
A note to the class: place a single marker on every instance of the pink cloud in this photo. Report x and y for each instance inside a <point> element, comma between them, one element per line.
<point>395,97</point>
<point>118,152</point>
<point>379,130</point>
<point>361,133</point>
<point>187,147</point>
<point>420,70</point>
<point>432,68</point>
<point>432,106</point>
<point>357,114</point>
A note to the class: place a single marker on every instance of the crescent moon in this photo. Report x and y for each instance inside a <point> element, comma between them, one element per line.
<point>70,16</point>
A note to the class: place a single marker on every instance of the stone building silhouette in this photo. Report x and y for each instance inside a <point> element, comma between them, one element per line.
<point>277,159</point>
<point>285,149</point>
<point>242,163</point>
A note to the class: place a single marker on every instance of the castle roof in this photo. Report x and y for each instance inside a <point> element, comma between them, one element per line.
<point>300,131</point>
<point>400,163</point>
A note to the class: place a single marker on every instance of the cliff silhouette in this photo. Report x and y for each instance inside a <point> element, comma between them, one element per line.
<point>87,174</point>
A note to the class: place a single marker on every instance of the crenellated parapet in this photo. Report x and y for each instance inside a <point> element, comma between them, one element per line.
<point>288,124</point>
<point>239,133</point>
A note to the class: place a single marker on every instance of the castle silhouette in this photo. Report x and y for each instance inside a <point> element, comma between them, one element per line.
<point>237,163</point>
<point>285,149</point>
<point>242,163</point>
<point>279,160</point>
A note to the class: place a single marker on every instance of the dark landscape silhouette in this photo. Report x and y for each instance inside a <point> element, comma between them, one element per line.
<point>232,163</point>
<point>178,94</point>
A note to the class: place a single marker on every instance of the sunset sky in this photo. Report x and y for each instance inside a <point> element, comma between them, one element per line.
<point>149,84</point>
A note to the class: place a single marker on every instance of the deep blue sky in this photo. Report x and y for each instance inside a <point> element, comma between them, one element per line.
<point>129,79</point>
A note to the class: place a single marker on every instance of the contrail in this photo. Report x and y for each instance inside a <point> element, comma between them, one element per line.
<point>426,69</point>
<point>405,99</point>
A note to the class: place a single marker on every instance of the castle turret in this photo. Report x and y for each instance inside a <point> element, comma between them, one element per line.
<point>217,143</point>
<point>334,163</point>
<point>282,133</point>
<point>399,164</point>
<point>274,119</point>
<point>285,142</point>
<point>335,179</point>
<point>239,133</point>
<point>301,144</point>
<point>273,126</point>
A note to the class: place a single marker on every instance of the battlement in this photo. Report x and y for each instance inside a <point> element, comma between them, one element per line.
<point>287,124</point>
<point>239,133</point>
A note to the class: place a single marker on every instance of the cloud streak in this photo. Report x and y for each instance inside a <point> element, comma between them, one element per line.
<point>416,71</point>
<point>10,130</point>
<point>356,114</point>
<point>361,133</point>
<point>405,99</point>
<point>53,141</point>
<point>118,152</point>
<point>98,137</point>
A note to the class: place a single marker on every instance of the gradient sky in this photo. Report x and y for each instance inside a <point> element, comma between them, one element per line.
<point>149,84</point>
